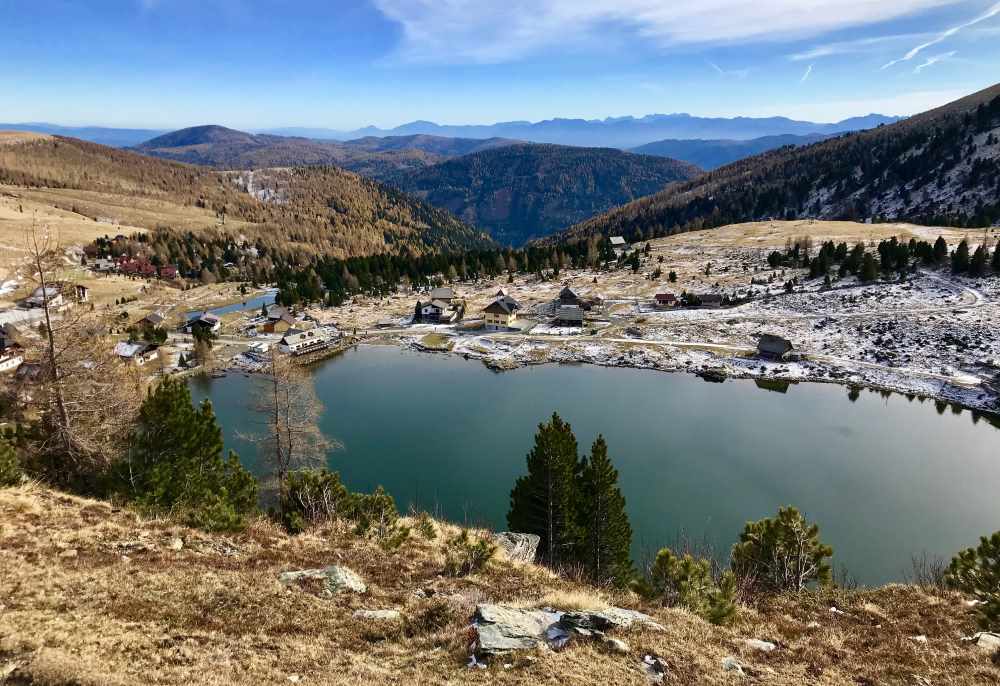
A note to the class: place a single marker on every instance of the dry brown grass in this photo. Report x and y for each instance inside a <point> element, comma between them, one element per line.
<point>93,594</point>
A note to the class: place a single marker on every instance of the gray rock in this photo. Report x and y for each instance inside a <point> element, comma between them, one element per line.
<point>731,664</point>
<point>502,629</point>
<point>336,579</point>
<point>379,615</point>
<point>519,547</point>
<point>762,646</point>
<point>655,667</point>
<point>604,620</point>
<point>987,641</point>
<point>175,544</point>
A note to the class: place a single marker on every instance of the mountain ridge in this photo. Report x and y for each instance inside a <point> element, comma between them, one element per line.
<point>938,167</point>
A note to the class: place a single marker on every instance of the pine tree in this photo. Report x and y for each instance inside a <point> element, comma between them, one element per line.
<point>940,250</point>
<point>544,501</point>
<point>996,259</point>
<point>869,270</point>
<point>606,533</point>
<point>977,266</point>
<point>175,461</point>
<point>960,259</point>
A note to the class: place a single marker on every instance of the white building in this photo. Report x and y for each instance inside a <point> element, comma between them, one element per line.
<point>304,342</point>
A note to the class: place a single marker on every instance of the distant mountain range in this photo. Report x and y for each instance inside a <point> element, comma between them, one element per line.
<point>941,167</point>
<point>613,132</point>
<point>224,148</point>
<point>115,138</point>
<point>616,132</point>
<point>520,192</point>
<point>709,154</point>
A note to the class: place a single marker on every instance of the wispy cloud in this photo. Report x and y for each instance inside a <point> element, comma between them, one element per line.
<point>729,73</point>
<point>805,77</point>
<point>860,45</point>
<point>933,59</point>
<point>944,35</point>
<point>504,30</point>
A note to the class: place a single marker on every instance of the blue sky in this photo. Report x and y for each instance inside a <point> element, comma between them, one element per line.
<point>348,63</point>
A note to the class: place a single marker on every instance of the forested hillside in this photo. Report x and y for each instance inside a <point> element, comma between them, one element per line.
<point>710,154</point>
<point>292,212</point>
<point>520,192</point>
<point>939,167</point>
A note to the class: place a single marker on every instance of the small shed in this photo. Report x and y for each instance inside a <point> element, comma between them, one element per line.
<point>772,347</point>
<point>568,297</point>
<point>568,315</point>
<point>665,300</point>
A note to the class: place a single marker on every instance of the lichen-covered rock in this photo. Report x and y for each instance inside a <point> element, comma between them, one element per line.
<point>335,579</point>
<point>762,646</point>
<point>987,641</point>
<point>502,629</point>
<point>605,620</point>
<point>519,547</point>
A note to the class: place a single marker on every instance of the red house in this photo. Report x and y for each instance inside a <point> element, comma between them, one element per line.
<point>666,300</point>
<point>168,271</point>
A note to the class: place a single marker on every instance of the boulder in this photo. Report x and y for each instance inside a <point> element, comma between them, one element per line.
<point>335,579</point>
<point>605,620</point>
<point>378,615</point>
<point>731,664</point>
<point>655,667</point>
<point>502,629</point>
<point>987,641</point>
<point>519,547</point>
<point>762,646</point>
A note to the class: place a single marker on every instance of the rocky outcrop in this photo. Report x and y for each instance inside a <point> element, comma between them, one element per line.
<point>378,615</point>
<point>499,629</point>
<point>519,547</point>
<point>333,578</point>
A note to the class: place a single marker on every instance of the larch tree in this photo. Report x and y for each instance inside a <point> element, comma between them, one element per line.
<point>605,529</point>
<point>84,399</point>
<point>544,501</point>
<point>289,410</point>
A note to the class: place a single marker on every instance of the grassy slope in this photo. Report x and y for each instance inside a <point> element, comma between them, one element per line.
<point>90,594</point>
<point>325,210</point>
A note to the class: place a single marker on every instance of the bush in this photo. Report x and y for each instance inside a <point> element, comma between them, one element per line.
<point>373,512</point>
<point>688,582</point>
<point>311,496</point>
<point>10,467</point>
<point>976,572</point>
<point>463,555</point>
<point>175,462</point>
<point>780,553</point>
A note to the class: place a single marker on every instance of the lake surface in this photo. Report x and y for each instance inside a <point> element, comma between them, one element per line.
<point>254,303</point>
<point>885,477</point>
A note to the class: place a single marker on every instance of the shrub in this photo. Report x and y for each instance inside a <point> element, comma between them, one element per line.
<point>688,582</point>
<point>10,468</point>
<point>463,555</point>
<point>175,462</point>
<point>780,553</point>
<point>976,571</point>
<point>375,512</point>
<point>311,496</point>
<point>426,526</point>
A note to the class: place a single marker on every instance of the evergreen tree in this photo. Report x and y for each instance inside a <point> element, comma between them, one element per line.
<point>960,258</point>
<point>175,462</point>
<point>977,266</point>
<point>606,533</point>
<point>940,250</point>
<point>10,468</point>
<point>869,270</point>
<point>996,259</point>
<point>976,572</point>
<point>544,501</point>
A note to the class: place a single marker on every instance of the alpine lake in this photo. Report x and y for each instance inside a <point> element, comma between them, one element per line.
<point>886,477</point>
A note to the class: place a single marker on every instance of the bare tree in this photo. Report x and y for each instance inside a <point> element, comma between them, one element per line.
<point>289,410</point>
<point>84,397</point>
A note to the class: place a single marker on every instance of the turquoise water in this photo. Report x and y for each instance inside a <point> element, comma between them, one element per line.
<point>254,303</point>
<point>885,477</point>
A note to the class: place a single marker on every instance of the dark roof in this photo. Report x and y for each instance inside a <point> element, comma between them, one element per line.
<point>710,298</point>
<point>769,343</point>
<point>501,306</point>
<point>153,318</point>
<point>567,294</point>
<point>569,313</point>
<point>666,297</point>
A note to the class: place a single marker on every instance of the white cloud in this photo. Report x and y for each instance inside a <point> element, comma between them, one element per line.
<point>933,59</point>
<point>944,35</point>
<point>805,77</point>
<point>729,73</point>
<point>860,45</point>
<point>503,30</point>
